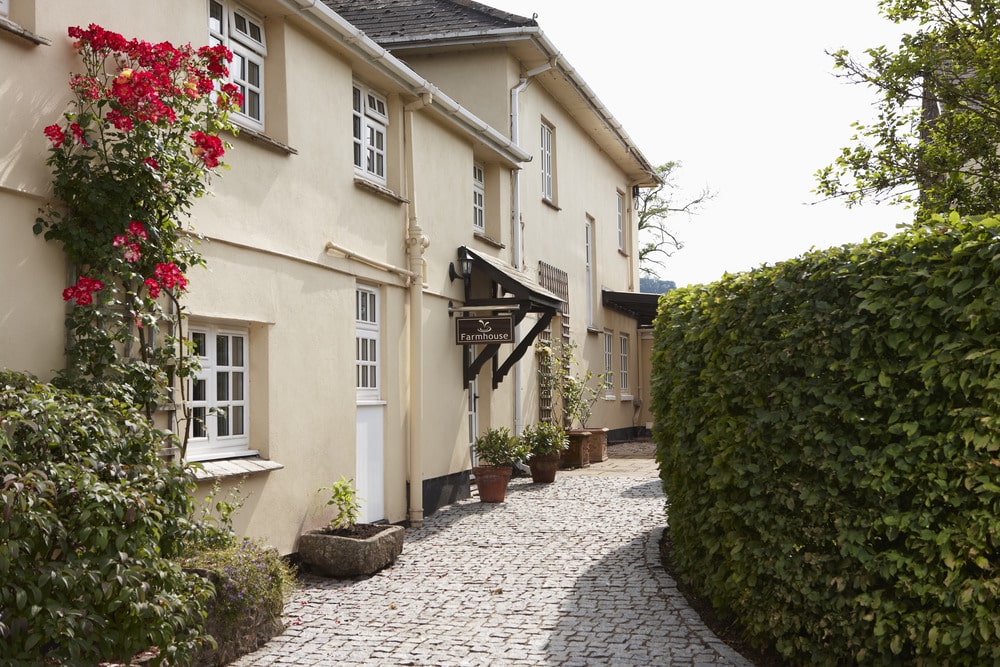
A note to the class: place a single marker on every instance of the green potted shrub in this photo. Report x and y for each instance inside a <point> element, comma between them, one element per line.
<point>497,451</point>
<point>544,443</point>
<point>573,396</point>
<point>346,548</point>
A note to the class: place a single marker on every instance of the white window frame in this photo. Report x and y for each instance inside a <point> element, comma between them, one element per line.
<point>623,351</point>
<point>609,368</point>
<point>210,401</point>
<point>548,161</point>
<point>367,343</point>
<point>241,32</point>
<point>621,221</point>
<point>478,198</point>
<point>370,121</point>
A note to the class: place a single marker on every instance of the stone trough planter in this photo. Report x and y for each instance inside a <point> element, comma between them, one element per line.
<point>344,557</point>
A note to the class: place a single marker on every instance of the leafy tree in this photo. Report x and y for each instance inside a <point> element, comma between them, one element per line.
<point>653,206</point>
<point>933,144</point>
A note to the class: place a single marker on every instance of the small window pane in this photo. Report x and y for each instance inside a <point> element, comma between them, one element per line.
<point>215,17</point>
<point>199,391</point>
<point>253,104</point>
<point>222,350</point>
<point>241,23</point>
<point>253,73</point>
<point>200,344</point>
<point>222,386</point>
<point>255,33</point>
<point>198,423</point>
<point>222,421</point>
<point>237,350</point>
<point>238,420</point>
<point>237,386</point>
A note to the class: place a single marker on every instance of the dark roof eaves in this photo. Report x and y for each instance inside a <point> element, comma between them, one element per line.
<point>495,13</point>
<point>436,40</point>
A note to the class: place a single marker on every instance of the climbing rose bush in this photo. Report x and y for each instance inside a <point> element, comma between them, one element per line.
<point>135,149</point>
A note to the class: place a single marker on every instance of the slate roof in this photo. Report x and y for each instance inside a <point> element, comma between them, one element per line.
<point>387,21</point>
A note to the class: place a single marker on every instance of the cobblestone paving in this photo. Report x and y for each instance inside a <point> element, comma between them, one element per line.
<point>560,574</point>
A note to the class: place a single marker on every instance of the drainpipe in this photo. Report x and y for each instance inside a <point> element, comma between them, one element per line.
<point>416,243</point>
<point>515,137</point>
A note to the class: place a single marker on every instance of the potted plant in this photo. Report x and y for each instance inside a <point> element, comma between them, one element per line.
<point>497,450</point>
<point>544,443</point>
<point>574,394</point>
<point>346,548</point>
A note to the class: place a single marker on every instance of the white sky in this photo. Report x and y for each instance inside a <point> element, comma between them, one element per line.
<point>744,96</point>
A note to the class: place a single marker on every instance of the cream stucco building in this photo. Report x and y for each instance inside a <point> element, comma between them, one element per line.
<point>393,175</point>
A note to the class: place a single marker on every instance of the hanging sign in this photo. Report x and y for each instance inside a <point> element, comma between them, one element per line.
<point>477,330</point>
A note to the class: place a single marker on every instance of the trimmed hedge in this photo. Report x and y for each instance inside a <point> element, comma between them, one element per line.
<point>93,527</point>
<point>828,432</point>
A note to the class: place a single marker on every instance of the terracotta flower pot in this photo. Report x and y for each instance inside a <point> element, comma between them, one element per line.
<point>578,454</point>
<point>543,468</point>
<point>492,482</point>
<point>598,445</point>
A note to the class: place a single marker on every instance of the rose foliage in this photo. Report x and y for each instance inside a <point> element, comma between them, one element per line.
<point>130,158</point>
<point>828,433</point>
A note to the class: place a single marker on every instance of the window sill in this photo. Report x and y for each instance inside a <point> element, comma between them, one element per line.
<point>370,402</point>
<point>551,204</point>
<point>6,25</point>
<point>595,330</point>
<point>489,241</point>
<point>610,397</point>
<point>379,190</point>
<point>627,397</point>
<point>207,471</point>
<point>262,139</point>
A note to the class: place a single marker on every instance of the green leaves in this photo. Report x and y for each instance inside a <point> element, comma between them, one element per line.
<point>88,528</point>
<point>933,140</point>
<point>827,429</point>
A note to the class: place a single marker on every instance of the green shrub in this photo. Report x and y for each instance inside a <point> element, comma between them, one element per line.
<point>544,439</point>
<point>828,431</point>
<point>251,583</point>
<point>344,497</point>
<point>498,447</point>
<point>93,526</point>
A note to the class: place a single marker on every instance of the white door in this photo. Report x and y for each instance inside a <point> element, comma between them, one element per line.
<point>369,475</point>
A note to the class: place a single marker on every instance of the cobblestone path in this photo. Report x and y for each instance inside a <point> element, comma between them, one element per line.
<point>560,574</point>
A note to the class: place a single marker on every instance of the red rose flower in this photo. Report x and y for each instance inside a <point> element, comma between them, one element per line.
<point>153,286</point>
<point>82,291</point>
<point>55,135</point>
<point>136,228</point>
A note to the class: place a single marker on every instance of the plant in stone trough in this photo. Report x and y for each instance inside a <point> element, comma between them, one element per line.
<point>344,497</point>
<point>346,548</point>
